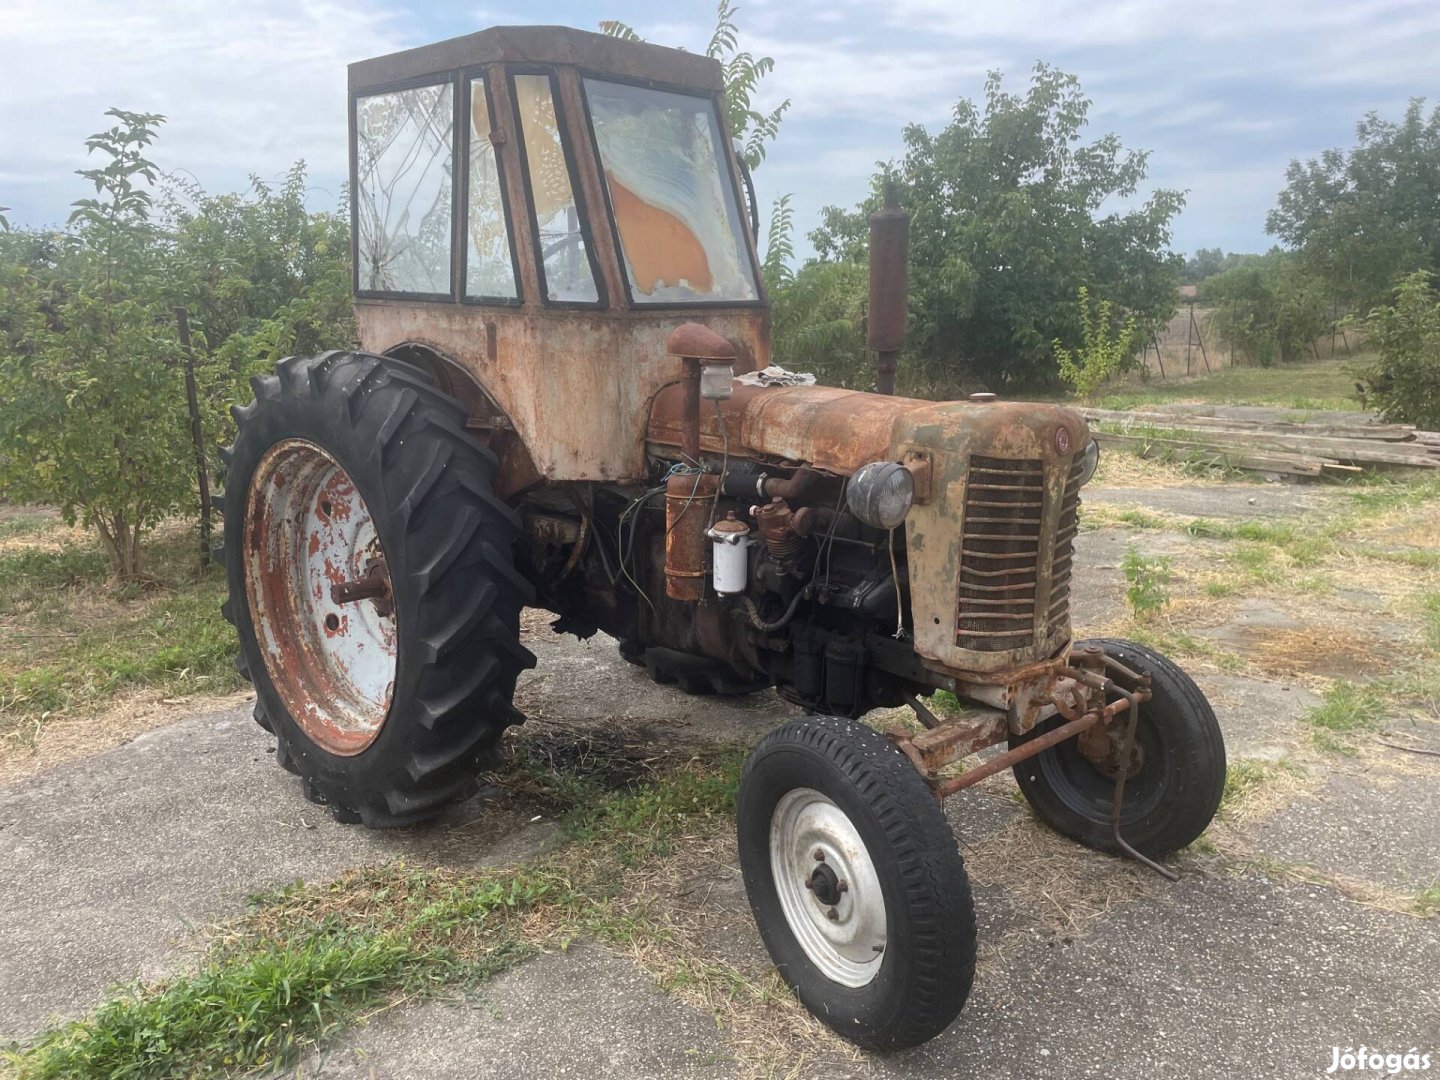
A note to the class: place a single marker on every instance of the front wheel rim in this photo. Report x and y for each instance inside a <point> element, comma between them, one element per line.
<point>307,529</point>
<point>828,887</point>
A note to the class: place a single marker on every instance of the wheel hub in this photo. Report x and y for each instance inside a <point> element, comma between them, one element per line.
<point>825,886</point>
<point>828,887</point>
<point>320,596</point>
<point>1102,747</point>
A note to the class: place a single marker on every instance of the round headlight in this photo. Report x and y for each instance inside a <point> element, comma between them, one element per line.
<point>1089,459</point>
<point>880,494</point>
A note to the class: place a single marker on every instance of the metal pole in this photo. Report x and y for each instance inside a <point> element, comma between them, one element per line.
<point>1199,339</point>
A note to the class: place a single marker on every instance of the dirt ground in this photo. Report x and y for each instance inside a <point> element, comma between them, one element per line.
<point>1299,923</point>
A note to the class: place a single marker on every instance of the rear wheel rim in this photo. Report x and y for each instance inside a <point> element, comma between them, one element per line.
<point>332,663</point>
<point>843,933</point>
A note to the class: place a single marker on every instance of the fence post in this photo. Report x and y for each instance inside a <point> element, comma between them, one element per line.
<point>197,437</point>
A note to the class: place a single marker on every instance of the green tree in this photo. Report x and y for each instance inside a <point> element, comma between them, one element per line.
<point>1404,382</point>
<point>743,74</point>
<point>1268,308</point>
<point>1207,262</point>
<point>262,277</point>
<point>818,323</point>
<point>1364,217</point>
<point>88,390</point>
<point>1008,219</point>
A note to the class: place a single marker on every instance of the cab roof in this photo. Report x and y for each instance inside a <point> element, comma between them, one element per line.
<point>548,45</point>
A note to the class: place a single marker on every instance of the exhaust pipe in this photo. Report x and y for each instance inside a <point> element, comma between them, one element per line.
<point>889,287</point>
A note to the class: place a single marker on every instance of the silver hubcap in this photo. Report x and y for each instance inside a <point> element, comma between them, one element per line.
<point>828,887</point>
<point>331,658</point>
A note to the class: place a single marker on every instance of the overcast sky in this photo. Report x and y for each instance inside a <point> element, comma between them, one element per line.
<point>1223,92</point>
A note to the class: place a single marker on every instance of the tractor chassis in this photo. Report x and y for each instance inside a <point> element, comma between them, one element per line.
<point>1096,696</point>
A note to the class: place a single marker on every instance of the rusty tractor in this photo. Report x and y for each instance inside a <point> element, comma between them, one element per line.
<point>559,403</point>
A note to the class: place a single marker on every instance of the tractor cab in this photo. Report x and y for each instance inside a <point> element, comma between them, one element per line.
<point>534,210</point>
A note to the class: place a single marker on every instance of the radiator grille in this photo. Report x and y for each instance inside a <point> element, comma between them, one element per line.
<point>1000,551</point>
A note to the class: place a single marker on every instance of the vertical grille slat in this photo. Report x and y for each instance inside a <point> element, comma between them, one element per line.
<point>1003,546</point>
<point>1063,561</point>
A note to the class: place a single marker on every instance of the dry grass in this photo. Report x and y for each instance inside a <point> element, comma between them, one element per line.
<point>1314,650</point>
<point>535,624</point>
<point>54,740</point>
<point>1256,789</point>
<point>1053,879</point>
<point>1242,858</point>
<point>1122,470</point>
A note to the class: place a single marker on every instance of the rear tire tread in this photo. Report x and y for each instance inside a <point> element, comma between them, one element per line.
<point>460,645</point>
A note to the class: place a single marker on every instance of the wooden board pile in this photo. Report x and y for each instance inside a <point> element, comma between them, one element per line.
<point>1262,440</point>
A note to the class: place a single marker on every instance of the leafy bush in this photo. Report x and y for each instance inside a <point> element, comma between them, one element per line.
<point>1404,382</point>
<point>1148,582</point>
<point>88,387</point>
<point>1105,350</point>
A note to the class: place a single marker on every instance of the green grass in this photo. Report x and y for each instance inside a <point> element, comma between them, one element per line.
<point>1420,558</point>
<point>305,960</point>
<point>1181,644</point>
<point>27,524</point>
<point>33,578</point>
<point>1244,777</point>
<point>1139,518</point>
<point>70,639</point>
<point>1430,612</point>
<point>1427,900</point>
<point>248,1013</point>
<point>1380,493</point>
<point>1347,711</point>
<point>1307,387</point>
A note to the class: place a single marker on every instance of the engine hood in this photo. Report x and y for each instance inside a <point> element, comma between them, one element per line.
<point>841,430</point>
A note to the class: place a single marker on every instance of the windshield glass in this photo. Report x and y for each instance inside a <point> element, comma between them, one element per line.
<point>671,189</point>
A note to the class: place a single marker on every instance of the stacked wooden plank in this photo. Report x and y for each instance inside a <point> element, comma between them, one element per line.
<point>1261,440</point>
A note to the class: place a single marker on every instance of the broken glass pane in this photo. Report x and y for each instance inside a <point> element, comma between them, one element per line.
<point>568,275</point>
<point>489,271</point>
<point>403,163</point>
<point>673,195</point>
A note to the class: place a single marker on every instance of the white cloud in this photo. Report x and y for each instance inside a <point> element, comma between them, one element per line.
<point>247,87</point>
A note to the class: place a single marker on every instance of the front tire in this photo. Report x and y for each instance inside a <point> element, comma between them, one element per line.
<point>887,960</point>
<point>349,467</point>
<point>1173,797</point>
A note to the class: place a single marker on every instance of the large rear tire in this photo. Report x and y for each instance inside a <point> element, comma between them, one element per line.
<point>349,468</point>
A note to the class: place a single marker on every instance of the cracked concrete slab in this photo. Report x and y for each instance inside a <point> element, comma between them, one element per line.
<point>1259,718</point>
<point>1373,824</point>
<point>111,861</point>
<point>585,1012</point>
<point>1216,976</point>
